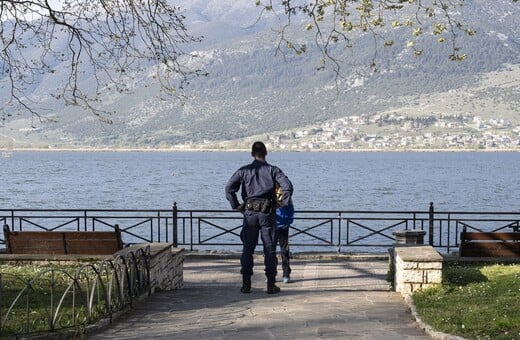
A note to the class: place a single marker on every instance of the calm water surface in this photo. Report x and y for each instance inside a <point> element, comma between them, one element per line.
<point>323,181</point>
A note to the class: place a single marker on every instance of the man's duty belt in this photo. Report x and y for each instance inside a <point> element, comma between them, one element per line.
<point>258,205</point>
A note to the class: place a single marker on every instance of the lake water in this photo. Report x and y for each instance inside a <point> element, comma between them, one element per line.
<point>323,181</point>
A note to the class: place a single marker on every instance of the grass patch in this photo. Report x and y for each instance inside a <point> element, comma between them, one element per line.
<point>475,301</point>
<point>32,298</point>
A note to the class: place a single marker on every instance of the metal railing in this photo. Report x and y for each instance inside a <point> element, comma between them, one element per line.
<point>333,231</point>
<point>58,298</point>
<point>137,226</point>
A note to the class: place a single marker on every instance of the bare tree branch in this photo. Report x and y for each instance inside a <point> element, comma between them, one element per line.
<point>336,24</point>
<point>109,40</point>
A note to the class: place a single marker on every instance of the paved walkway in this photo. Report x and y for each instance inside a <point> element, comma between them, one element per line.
<point>328,299</point>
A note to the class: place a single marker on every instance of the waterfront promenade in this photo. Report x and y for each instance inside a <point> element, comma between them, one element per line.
<point>328,298</point>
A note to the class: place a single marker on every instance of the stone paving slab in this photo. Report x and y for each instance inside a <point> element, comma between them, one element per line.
<point>327,299</point>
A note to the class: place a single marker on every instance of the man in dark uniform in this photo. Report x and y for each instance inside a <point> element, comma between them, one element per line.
<point>258,181</point>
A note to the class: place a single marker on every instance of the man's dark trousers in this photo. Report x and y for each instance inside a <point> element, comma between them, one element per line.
<point>265,224</point>
<point>283,239</point>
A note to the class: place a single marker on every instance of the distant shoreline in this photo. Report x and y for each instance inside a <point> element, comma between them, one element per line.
<point>3,150</point>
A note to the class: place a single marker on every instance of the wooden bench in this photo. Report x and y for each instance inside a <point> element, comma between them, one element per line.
<point>489,244</point>
<point>62,242</point>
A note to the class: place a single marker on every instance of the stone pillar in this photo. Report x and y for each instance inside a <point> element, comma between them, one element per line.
<point>416,268</point>
<point>411,236</point>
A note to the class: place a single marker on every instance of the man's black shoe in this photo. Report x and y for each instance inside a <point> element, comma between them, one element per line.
<point>246,285</point>
<point>272,288</point>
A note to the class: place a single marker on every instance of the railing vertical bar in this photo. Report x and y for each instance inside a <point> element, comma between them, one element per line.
<point>158,226</point>
<point>431,226</point>
<point>449,233</point>
<point>347,232</point>
<point>191,230</point>
<point>339,232</point>
<point>183,230</point>
<point>166,228</point>
<point>199,225</point>
<point>151,230</point>
<point>440,233</point>
<point>457,238</point>
<point>449,223</point>
<point>175,225</point>
<point>12,219</point>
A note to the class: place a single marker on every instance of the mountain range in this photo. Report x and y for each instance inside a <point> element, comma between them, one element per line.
<point>251,89</point>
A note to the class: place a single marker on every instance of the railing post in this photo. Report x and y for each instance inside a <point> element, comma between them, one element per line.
<point>12,220</point>
<point>339,232</point>
<point>174,224</point>
<point>430,231</point>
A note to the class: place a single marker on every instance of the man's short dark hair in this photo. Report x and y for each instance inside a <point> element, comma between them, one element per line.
<point>258,150</point>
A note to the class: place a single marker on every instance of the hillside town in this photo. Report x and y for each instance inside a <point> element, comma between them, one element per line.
<point>398,132</point>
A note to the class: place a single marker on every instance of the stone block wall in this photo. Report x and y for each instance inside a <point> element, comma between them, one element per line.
<point>166,269</point>
<point>166,264</point>
<point>416,268</point>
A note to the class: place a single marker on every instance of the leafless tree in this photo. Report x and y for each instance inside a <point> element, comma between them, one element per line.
<point>107,39</point>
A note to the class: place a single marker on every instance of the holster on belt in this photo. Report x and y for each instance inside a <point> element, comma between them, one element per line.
<point>262,205</point>
<point>266,206</point>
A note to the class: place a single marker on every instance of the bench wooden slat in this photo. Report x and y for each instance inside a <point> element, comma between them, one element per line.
<point>62,243</point>
<point>489,244</point>
<point>491,249</point>
<point>92,242</point>
<point>489,236</point>
<point>28,236</point>
<point>91,247</point>
<point>36,242</point>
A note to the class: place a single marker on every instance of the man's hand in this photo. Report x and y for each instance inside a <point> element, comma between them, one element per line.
<point>241,208</point>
